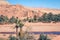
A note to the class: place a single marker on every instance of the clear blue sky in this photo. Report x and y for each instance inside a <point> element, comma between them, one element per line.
<point>37,3</point>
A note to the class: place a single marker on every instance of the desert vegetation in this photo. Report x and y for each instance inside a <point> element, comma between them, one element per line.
<point>44,37</point>
<point>6,20</point>
<point>12,37</point>
<point>46,18</point>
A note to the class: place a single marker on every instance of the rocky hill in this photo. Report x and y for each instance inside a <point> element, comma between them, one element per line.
<point>22,12</point>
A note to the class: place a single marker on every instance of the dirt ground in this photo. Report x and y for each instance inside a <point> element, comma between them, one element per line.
<point>33,27</point>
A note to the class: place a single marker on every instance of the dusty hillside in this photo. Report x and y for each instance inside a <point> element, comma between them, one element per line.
<point>4,2</point>
<point>47,10</point>
<point>21,11</point>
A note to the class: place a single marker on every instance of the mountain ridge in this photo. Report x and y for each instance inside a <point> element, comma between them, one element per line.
<point>22,11</point>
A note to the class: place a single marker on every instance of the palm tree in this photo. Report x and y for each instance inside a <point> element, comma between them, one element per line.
<point>16,31</point>
<point>17,25</point>
<point>20,26</point>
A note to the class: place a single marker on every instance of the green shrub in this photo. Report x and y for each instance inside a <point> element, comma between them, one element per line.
<point>3,19</point>
<point>12,37</point>
<point>12,19</point>
<point>43,37</point>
